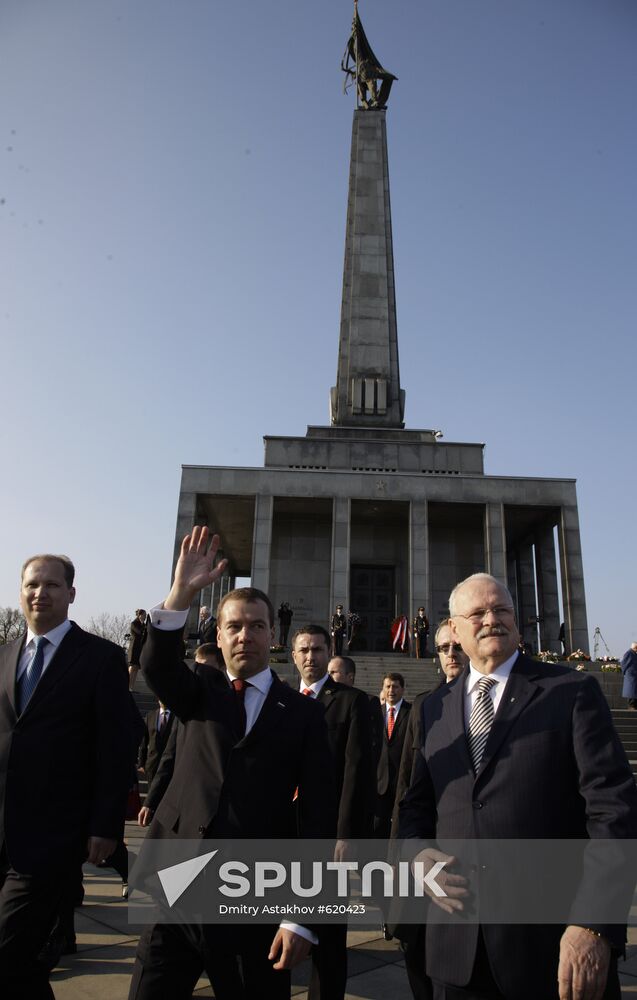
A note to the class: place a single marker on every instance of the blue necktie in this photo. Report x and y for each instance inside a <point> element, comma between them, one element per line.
<point>31,676</point>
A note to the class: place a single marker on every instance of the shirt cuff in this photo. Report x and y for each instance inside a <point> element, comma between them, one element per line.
<point>303,932</point>
<point>167,621</point>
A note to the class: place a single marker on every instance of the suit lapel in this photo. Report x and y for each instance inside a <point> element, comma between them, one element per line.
<point>520,689</point>
<point>326,694</point>
<point>65,656</point>
<point>401,720</point>
<point>270,715</point>
<point>11,656</point>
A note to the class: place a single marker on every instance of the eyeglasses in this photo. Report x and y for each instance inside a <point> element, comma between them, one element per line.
<point>447,647</point>
<point>477,617</point>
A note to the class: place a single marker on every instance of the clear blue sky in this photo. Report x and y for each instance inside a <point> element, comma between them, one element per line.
<point>173,187</point>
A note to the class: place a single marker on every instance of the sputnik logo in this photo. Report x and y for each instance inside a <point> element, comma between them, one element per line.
<point>176,879</point>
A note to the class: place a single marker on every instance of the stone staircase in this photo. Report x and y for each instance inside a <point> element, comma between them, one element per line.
<point>626,726</point>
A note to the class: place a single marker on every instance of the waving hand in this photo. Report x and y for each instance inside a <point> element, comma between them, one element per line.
<point>195,568</point>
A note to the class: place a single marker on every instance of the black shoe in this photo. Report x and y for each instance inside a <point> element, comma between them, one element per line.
<point>56,946</point>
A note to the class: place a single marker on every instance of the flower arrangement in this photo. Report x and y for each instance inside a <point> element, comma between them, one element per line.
<point>547,656</point>
<point>578,654</point>
<point>608,665</point>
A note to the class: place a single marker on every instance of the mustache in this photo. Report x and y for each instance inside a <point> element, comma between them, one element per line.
<point>489,630</point>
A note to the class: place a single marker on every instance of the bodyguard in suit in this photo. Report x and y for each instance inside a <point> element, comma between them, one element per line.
<point>512,749</point>
<point>247,743</point>
<point>395,717</point>
<point>64,766</point>
<point>157,727</point>
<point>349,733</point>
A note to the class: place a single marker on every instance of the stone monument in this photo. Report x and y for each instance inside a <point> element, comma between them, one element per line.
<point>364,512</point>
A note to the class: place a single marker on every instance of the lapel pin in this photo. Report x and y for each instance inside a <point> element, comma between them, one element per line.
<point>512,699</point>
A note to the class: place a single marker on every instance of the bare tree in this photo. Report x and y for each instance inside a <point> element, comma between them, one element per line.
<point>12,624</point>
<point>113,627</point>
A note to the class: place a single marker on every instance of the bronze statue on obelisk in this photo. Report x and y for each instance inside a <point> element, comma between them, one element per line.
<point>361,66</point>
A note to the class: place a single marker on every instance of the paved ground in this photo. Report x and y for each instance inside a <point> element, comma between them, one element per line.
<point>106,948</point>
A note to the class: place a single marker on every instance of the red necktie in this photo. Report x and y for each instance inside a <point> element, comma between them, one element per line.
<point>390,721</point>
<point>240,686</point>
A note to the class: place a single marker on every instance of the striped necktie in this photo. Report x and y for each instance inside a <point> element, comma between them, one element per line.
<point>481,720</point>
<point>31,676</point>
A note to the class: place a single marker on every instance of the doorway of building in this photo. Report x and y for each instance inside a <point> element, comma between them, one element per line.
<point>372,596</point>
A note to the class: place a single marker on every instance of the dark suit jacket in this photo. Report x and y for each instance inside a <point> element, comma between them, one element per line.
<point>165,770</point>
<point>391,751</point>
<point>207,631</point>
<point>153,743</point>
<point>65,763</point>
<point>553,767</point>
<point>409,756</point>
<point>225,785</point>
<point>349,732</point>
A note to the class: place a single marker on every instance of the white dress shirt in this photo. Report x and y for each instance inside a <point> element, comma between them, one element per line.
<point>496,692</point>
<point>55,637</point>
<point>255,694</point>
<point>315,687</point>
<point>396,709</point>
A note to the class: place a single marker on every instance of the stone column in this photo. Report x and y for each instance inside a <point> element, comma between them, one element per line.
<point>419,584</point>
<point>262,541</point>
<point>340,563</point>
<point>573,593</point>
<point>548,596</point>
<point>527,608</point>
<point>214,597</point>
<point>495,554</point>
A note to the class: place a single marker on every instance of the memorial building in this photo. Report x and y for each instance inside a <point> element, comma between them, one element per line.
<point>369,514</point>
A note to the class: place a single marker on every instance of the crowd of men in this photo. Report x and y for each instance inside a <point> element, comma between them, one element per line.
<point>504,747</point>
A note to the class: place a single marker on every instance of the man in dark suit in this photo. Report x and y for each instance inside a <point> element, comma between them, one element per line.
<point>207,627</point>
<point>64,766</point>
<point>246,747</point>
<point>348,721</point>
<point>515,749</point>
<point>395,716</point>
<point>157,727</point>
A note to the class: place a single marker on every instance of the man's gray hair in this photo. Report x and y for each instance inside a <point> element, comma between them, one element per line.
<point>485,577</point>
